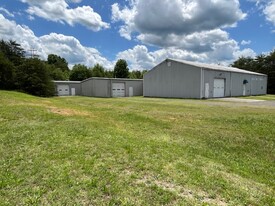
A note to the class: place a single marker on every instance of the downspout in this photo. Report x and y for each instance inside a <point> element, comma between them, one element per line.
<point>110,88</point>
<point>230,84</point>
<point>202,83</point>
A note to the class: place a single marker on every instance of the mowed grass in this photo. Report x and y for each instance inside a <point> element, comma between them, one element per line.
<point>134,151</point>
<point>264,97</point>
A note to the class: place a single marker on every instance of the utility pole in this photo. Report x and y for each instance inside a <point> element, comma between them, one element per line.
<point>32,53</point>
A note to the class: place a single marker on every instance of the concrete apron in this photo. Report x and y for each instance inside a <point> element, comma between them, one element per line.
<point>232,99</point>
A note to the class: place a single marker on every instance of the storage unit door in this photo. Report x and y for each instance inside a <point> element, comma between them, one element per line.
<point>63,90</point>
<point>118,90</point>
<point>218,88</point>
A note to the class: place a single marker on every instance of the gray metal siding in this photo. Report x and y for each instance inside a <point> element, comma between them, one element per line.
<point>237,84</point>
<point>102,87</point>
<point>256,84</point>
<point>71,85</point>
<point>87,88</point>
<point>136,84</point>
<point>183,80</point>
<point>210,75</point>
<point>259,85</point>
<point>137,87</point>
<point>234,83</point>
<point>176,81</point>
<point>96,88</point>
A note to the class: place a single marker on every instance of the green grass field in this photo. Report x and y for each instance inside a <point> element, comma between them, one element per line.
<point>265,97</point>
<point>134,151</point>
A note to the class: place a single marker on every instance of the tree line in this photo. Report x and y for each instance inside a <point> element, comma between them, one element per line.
<point>35,76</point>
<point>263,63</point>
<point>80,72</point>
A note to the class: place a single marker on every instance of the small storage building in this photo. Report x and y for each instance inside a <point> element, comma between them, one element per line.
<point>112,87</point>
<point>67,88</point>
<point>100,87</point>
<point>184,79</point>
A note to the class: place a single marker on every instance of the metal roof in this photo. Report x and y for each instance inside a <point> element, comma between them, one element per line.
<point>68,82</point>
<point>215,67</point>
<point>105,78</point>
<point>97,78</point>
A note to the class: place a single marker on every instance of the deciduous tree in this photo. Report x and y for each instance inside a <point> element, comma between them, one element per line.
<point>7,73</point>
<point>98,71</point>
<point>12,51</point>
<point>80,72</point>
<point>263,64</point>
<point>58,62</point>
<point>121,69</point>
<point>33,77</point>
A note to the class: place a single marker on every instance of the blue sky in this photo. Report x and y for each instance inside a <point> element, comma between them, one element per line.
<point>143,32</point>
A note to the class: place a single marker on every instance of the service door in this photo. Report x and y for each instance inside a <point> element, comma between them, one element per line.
<point>219,87</point>
<point>206,90</point>
<point>118,90</point>
<point>63,90</point>
<point>73,91</point>
<point>131,91</point>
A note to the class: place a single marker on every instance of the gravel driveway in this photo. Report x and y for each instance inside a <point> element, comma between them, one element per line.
<point>243,102</point>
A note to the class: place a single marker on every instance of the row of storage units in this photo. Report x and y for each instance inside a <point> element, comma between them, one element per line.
<point>100,87</point>
<point>173,79</point>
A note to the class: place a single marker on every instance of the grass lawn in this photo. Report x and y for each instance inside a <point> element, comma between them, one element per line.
<point>263,97</point>
<point>134,151</point>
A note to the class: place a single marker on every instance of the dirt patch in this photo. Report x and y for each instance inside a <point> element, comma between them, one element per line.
<point>68,112</point>
<point>56,110</point>
<point>31,104</point>
<point>193,195</point>
<point>256,189</point>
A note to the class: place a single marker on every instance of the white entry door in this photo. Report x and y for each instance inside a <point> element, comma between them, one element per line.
<point>63,90</point>
<point>131,91</point>
<point>219,87</point>
<point>118,90</point>
<point>73,91</point>
<point>206,91</point>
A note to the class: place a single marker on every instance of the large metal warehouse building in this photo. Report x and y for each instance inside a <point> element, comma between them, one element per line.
<point>100,87</point>
<point>184,79</point>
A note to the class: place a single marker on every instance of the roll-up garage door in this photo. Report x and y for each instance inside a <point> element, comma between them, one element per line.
<point>118,90</point>
<point>63,90</point>
<point>218,88</point>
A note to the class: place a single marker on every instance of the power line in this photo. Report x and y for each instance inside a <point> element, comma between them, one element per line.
<point>32,53</point>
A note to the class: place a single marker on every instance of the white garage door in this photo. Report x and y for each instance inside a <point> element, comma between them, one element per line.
<point>63,90</point>
<point>218,88</point>
<point>118,90</point>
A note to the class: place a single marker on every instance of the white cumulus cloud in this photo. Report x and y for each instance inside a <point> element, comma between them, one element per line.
<point>140,57</point>
<point>267,7</point>
<point>269,11</point>
<point>176,16</point>
<point>67,47</point>
<point>187,29</point>
<point>243,42</point>
<point>5,11</point>
<point>59,11</point>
